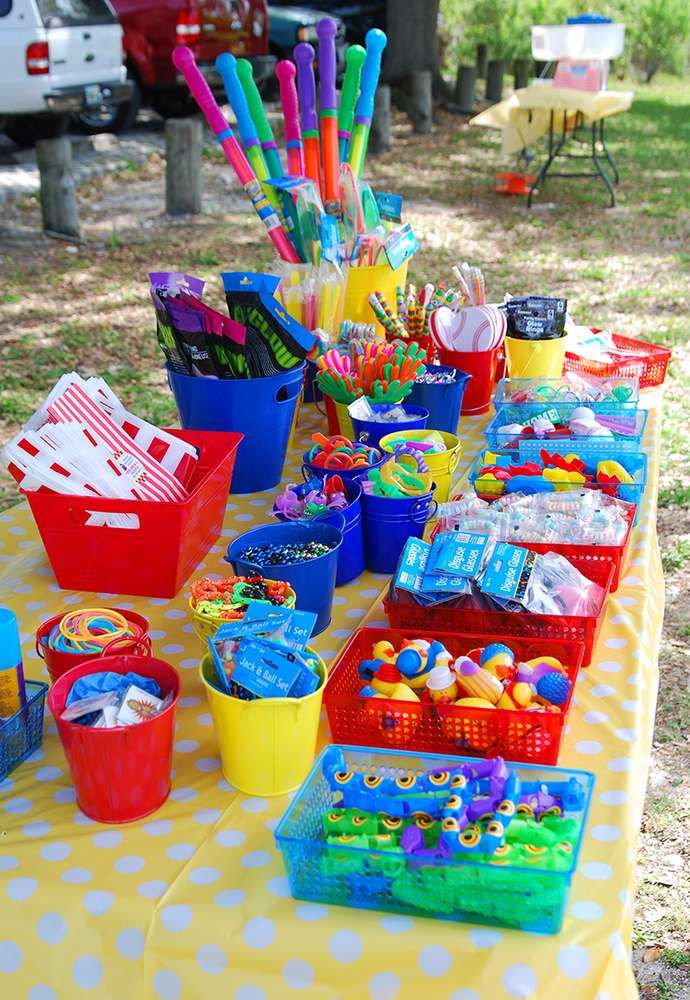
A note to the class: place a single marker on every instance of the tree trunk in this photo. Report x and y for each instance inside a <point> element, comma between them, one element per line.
<point>412,38</point>
<point>521,68</point>
<point>58,193</point>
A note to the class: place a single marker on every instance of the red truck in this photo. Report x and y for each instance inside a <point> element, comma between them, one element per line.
<point>152,28</point>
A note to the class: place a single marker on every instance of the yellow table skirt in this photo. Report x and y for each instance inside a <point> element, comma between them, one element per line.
<point>194,903</point>
<point>524,116</point>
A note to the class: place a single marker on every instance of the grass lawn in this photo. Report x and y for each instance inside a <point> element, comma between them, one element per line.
<point>628,269</point>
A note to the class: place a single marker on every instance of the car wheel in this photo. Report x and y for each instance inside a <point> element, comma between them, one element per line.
<point>174,105</point>
<point>110,117</point>
<point>25,130</point>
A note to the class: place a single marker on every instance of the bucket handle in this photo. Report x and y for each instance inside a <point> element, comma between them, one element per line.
<point>39,648</point>
<point>454,459</point>
<point>428,513</point>
<point>141,646</point>
<point>296,384</point>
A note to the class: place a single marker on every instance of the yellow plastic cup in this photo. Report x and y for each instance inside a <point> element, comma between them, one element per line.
<point>266,746</point>
<point>361,281</point>
<point>535,358</point>
<point>345,421</point>
<point>441,465</point>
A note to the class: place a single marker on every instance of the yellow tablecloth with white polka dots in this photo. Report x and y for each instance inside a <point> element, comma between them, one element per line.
<point>194,902</point>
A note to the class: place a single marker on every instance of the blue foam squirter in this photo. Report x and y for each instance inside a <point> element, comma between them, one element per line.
<point>313,580</point>
<point>263,409</point>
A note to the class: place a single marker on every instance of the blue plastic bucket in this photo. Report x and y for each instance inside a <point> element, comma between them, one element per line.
<point>388,523</point>
<point>351,555</point>
<point>263,409</point>
<point>371,431</point>
<point>312,393</point>
<point>347,475</point>
<point>313,580</point>
<point>442,400</point>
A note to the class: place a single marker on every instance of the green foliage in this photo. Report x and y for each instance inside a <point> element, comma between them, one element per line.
<point>657,35</point>
<point>657,31</point>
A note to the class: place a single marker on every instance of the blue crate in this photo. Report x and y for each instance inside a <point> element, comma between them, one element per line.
<point>503,441</point>
<point>635,464</point>
<point>476,891</point>
<point>22,732</point>
<point>508,387</point>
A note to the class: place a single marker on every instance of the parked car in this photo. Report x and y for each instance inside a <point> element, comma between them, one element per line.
<point>289,24</point>
<point>357,17</point>
<point>152,29</point>
<point>57,57</point>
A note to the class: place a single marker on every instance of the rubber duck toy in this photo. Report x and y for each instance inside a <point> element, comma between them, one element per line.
<point>383,652</point>
<point>442,685</point>
<point>386,679</point>
<point>499,660</point>
<point>415,661</point>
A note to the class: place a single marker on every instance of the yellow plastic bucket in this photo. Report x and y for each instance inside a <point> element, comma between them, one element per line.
<point>361,281</point>
<point>441,465</point>
<point>535,358</point>
<point>266,746</point>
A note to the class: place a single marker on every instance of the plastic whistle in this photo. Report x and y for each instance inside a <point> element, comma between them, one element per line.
<point>286,73</point>
<point>256,109</point>
<point>183,59</point>
<point>328,112</point>
<point>306,85</point>
<point>376,42</point>
<point>354,61</point>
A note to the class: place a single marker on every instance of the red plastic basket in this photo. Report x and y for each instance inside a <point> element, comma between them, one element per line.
<point>534,737</point>
<point>650,366</point>
<point>154,558</point>
<point>405,613</point>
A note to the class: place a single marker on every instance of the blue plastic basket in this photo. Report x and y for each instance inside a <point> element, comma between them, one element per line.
<point>505,441</point>
<point>509,387</point>
<point>22,733</point>
<point>443,400</point>
<point>634,463</point>
<point>531,899</point>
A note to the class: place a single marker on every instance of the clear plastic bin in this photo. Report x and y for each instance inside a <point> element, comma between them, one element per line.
<point>551,42</point>
<point>462,889</point>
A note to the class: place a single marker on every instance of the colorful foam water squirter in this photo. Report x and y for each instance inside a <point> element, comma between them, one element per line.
<point>437,836</point>
<point>486,677</point>
<point>384,373</point>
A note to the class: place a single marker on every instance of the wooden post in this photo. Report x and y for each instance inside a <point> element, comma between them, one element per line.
<point>420,101</point>
<point>380,135</point>
<point>482,57</point>
<point>521,68</point>
<point>465,84</point>
<point>494,80</point>
<point>183,166</point>
<point>58,192</point>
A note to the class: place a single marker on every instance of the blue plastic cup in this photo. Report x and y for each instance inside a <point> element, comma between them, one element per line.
<point>443,400</point>
<point>312,580</point>
<point>263,409</point>
<point>371,431</point>
<point>389,522</point>
<point>351,554</point>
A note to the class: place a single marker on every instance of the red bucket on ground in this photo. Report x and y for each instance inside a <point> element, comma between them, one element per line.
<point>122,774</point>
<point>483,369</point>
<point>59,662</point>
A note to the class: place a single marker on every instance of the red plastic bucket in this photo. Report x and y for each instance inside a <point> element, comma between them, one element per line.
<point>59,662</point>
<point>123,774</point>
<point>482,366</point>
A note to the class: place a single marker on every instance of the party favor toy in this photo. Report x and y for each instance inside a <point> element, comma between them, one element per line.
<point>214,602</point>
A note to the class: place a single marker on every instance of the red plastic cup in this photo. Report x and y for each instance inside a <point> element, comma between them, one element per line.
<point>58,662</point>
<point>122,774</point>
<point>331,416</point>
<point>482,366</point>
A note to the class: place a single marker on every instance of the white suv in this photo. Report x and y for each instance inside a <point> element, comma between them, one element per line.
<point>57,57</point>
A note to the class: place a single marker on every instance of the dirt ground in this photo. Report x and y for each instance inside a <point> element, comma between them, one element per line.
<point>85,305</point>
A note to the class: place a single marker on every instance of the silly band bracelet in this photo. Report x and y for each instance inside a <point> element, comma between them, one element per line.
<point>90,630</point>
